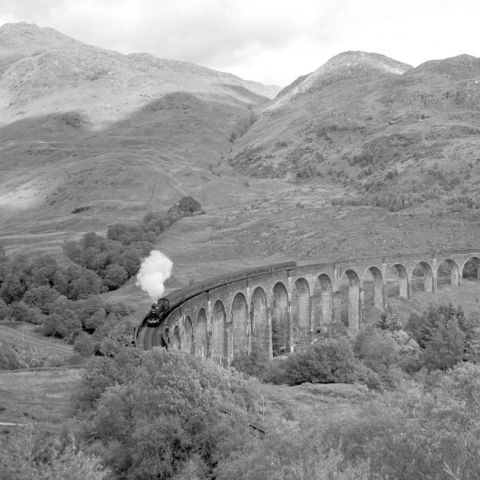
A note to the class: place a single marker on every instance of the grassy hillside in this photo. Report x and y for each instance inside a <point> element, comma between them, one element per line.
<point>390,135</point>
<point>297,177</point>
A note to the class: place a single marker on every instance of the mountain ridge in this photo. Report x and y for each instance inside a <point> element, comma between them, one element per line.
<point>359,163</point>
<point>41,71</point>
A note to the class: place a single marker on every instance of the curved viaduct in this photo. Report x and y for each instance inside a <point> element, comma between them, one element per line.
<point>288,309</point>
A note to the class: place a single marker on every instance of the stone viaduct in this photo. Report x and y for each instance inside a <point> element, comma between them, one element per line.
<point>288,309</point>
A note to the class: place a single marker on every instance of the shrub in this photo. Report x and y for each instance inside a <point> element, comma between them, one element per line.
<point>65,325</point>
<point>32,455</point>
<point>368,377</point>
<point>377,350</point>
<point>389,322</point>
<point>189,205</point>
<point>252,363</point>
<point>329,360</point>
<point>172,410</point>
<point>84,345</point>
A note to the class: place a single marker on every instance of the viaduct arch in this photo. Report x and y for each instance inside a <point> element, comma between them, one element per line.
<point>286,310</point>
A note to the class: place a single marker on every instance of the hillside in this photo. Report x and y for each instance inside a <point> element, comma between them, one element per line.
<point>112,135</point>
<point>90,137</point>
<point>394,135</point>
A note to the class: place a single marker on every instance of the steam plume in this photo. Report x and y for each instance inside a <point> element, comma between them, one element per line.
<point>154,271</point>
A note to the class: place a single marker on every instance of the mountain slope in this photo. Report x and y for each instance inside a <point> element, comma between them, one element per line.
<point>111,134</point>
<point>374,124</point>
<point>42,71</point>
<point>90,137</point>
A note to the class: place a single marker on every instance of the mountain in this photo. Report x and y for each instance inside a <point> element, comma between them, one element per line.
<point>346,65</point>
<point>395,135</point>
<point>43,71</point>
<point>88,130</point>
<point>364,156</point>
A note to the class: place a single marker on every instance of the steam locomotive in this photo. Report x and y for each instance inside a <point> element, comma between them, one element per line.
<point>160,309</point>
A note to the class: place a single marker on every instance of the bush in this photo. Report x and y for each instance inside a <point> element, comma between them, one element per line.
<point>252,363</point>
<point>84,345</point>
<point>172,410</point>
<point>32,455</point>
<point>189,205</point>
<point>377,349</point>
<point>66,325</point>
<point>389,322</point>
<point>366,376</point>
<point>429,433</point>
<point>328,361</point>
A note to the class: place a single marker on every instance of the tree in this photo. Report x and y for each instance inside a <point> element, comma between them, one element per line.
<point>16,278</point>
<point>43,270</point>
<point>82,283</point>
<point>67,325</point>
<point>377,349</point>
<point>21,312</point>
<point>329,360</point>
<point>115,276</point>
<point>421,327</point>
<point>189,205</point>
<point>41,297</point>
<point>445,347</point>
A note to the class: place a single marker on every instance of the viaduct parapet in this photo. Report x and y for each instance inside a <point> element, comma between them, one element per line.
<point>288,309</point>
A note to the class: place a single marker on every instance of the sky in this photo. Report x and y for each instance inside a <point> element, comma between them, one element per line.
<point>270,41</point>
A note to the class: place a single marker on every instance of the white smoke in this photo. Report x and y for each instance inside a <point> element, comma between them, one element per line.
<point>154,271</point>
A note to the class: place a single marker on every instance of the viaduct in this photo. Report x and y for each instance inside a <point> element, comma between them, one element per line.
<point>288,309</point>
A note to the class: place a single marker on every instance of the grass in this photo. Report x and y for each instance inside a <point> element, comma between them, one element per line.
<point>28,343</point>
<point>37,396</point>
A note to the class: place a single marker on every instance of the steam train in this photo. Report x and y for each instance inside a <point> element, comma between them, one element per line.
<point>160,309</point>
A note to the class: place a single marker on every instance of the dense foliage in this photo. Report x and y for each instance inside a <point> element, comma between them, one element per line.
<point>62,298</point>
<point>446,336</point>
<point>172,412</point>
<point>329,360</point>
<point>117,257</point>
<point>33,455</point>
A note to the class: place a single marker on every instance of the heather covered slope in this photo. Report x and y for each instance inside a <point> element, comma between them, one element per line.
<point>376,125</point>
<point>90,136</point>
<point>277,180</point>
